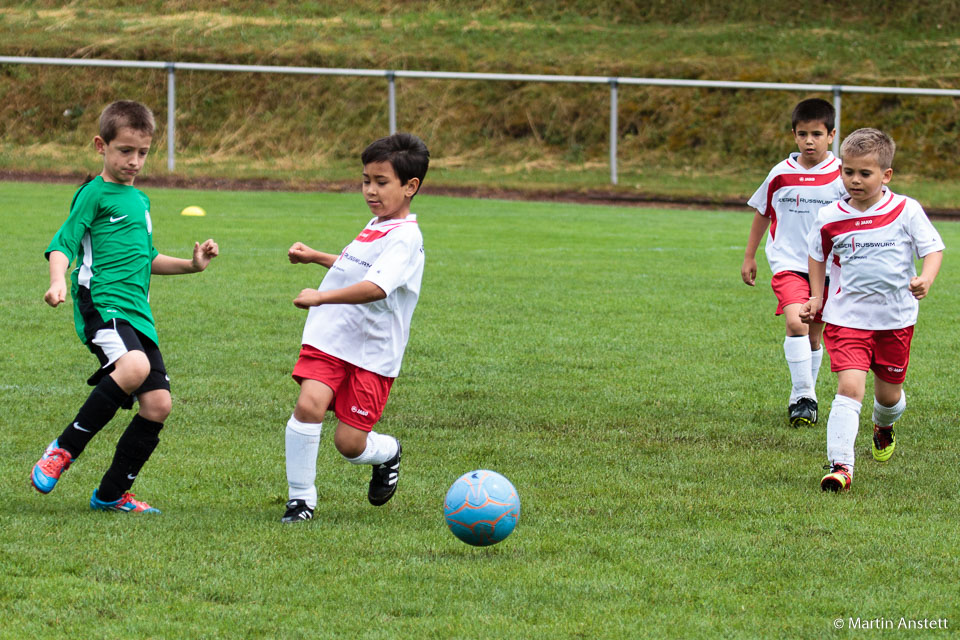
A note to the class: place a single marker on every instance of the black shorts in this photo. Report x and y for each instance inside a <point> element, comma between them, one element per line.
<point>117,337</point>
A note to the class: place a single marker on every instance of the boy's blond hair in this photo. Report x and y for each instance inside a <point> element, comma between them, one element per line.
<point>863,142</point>
<point>126,113</point>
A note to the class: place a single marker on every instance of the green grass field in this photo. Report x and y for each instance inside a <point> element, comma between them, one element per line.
<point>607,360</point>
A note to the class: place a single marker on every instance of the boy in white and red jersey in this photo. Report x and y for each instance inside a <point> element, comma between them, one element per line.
<point>874,236</point>
<point>787,202</point>
<point>358,327</point>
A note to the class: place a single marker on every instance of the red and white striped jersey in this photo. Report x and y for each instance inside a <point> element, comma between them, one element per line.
<point>372,336</point>
<point>791,197</point>
<point>872,263</point>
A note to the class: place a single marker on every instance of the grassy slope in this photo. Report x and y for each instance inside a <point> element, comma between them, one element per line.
<point>671,140</point>
<point>608,361</point>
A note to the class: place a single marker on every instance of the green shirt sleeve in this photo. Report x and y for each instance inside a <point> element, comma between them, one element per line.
<point>83,210</point>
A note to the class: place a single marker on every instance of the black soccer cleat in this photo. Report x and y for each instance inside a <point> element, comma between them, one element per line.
<point>383,484</point>
<point>297,510</point>
<point>803,413</point>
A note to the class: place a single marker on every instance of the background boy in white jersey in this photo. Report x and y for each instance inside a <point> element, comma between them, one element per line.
<point>358,327</point>
<point>110,233</point>
<point>874,236</point>
<point>787,202</point>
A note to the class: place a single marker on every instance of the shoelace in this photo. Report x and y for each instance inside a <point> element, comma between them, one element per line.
<point>883,437</point>
<point>128,497</point>
<point>834,468</point>
<point>50,461</point>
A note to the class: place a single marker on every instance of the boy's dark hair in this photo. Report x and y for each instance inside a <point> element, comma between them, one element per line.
<point>126,113</point>
<point>405,152</point>
<point>814,110</point>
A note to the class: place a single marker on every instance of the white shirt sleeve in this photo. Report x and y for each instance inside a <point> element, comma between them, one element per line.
<point>926,240</point>
<point>759,198</point>
<point>398,262</point>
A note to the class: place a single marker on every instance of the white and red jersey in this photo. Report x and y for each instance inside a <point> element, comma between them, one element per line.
<point>374,335</point>
<point>791,197</point>
<point>872,264</point>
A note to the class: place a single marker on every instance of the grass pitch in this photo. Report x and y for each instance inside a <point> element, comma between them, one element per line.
<point>607,360</point>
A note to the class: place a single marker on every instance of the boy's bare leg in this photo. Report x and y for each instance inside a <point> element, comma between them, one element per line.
<point>795,326</point>
<point>315,397</point>
<point>350,441</point>
<point>130,370</point>
<point>852,383</point>
<point>887,393</point>
<point>815,335</point>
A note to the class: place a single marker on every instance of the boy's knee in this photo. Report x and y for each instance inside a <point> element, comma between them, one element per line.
<point>155,405</point>
<point>130,370</point>
<point>350,442</point>
<point>308,411</point>
<point>795,327</point>
<point>850,389</point>
<point>311,405</point>
<point>888,394</point>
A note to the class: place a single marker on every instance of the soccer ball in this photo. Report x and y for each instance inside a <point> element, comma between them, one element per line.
<point>481,508</point>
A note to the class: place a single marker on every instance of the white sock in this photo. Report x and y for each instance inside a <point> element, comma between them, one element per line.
<point>842,427</point>
<point>303,443</point>
<point>886,416</point>
<point>797,351</point>
<point>380,448</point>
<point>816,359</point>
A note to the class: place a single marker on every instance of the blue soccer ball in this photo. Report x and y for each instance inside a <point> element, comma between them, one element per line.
<point>481,508</point>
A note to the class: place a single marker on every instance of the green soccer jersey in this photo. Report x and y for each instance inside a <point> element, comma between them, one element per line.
<point>110,235</point>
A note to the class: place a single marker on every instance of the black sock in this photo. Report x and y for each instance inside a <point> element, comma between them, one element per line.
<point>101,405</point>
<point>133,450</point>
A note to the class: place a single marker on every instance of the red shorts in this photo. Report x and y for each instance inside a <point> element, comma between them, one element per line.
<point>791,287</point>
<point>359,396</point>
<point>886,353</point>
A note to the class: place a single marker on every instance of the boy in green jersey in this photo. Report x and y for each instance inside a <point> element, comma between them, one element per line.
<point>110,234</point>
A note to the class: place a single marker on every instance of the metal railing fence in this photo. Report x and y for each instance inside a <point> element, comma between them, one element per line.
<point>391,77</point>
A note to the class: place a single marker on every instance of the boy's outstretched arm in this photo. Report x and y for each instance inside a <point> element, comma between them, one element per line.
<point>164,265</point>
<point>57,293</point>
<point>300,253</point>
<point>748,270</point>
<point>818,272</point>
<point>360,293</point>
<point>920,285</point>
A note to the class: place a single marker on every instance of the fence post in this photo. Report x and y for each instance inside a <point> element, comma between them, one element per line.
<point>836,106</point>
<point>171,114</point>
<point>613,131</point>
<point>392,100</point>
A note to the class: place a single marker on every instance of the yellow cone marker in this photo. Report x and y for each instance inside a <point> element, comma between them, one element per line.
<point>193,211</point>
